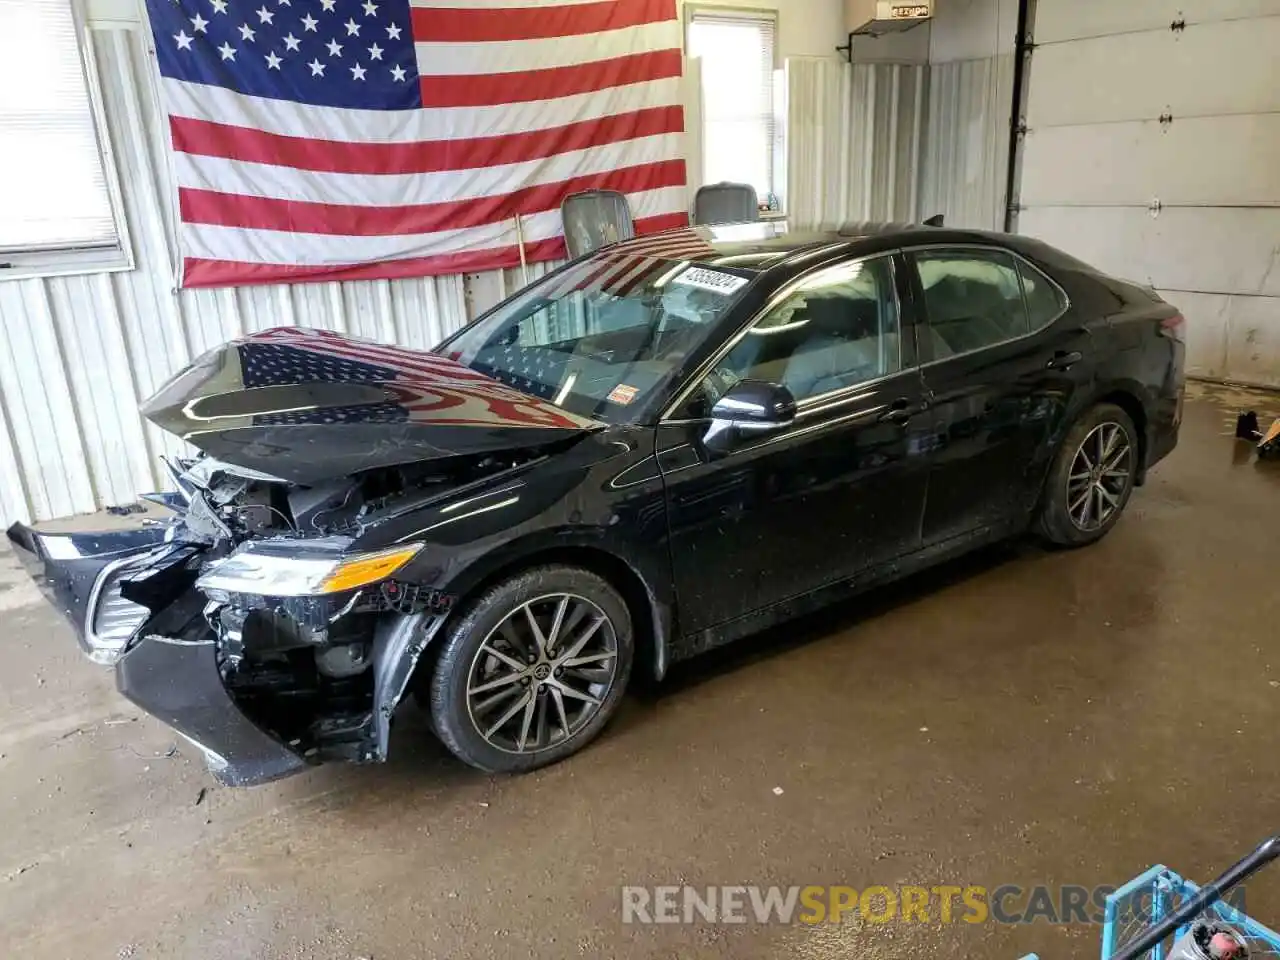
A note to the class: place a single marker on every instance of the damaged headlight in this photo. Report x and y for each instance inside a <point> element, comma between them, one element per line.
<point>267,570</point>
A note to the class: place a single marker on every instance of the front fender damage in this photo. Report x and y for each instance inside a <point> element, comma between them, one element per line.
<point>398,645</point>
<point>252,722</point>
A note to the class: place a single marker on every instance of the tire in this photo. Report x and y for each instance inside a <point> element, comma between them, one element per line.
<point>1062,510</point>
<point>478,662</point>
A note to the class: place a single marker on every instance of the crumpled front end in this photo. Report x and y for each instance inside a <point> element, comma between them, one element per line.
<point>172,673</point>
<point>129,596</point>
<point>81,574</point>
<point>250,621</point>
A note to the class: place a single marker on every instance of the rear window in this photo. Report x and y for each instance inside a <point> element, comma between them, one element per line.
<point>1045,302</point>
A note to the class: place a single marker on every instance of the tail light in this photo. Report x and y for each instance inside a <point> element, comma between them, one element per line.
<point>1175,328</point>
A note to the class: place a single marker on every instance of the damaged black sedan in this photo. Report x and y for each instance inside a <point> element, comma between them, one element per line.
<point>652,451</point>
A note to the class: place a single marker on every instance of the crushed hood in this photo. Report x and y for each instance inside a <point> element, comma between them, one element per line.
<point>307,405</point>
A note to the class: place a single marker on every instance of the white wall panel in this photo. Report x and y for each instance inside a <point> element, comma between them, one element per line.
<point>1098,157</point>
<point>854,141</point>
<point>1221,67</point>
<point>1078,19</point>
<point>966,158</point>
<point>1138,162</point>
<point>78,354</point>
<point>1210,250</point>
<point>1230,337</point>
<point>972,30</point>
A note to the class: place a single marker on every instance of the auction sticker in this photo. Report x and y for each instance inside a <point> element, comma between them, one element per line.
<point>623,394</point>
<point>716,281</point>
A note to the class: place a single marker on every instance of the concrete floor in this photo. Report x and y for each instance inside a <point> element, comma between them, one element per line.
<point>1019,717</point>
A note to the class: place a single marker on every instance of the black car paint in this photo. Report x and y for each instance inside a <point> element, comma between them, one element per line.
<point>66,565</point>
<point>707,547</point>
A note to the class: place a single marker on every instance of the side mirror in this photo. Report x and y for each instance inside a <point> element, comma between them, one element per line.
<point>749,409</point>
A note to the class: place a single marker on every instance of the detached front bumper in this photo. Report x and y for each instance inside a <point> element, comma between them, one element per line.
<point>76,572</point>
<point>167,665</point>
<point>171,672</point>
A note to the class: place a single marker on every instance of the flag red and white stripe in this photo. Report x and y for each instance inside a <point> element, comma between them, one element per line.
<point>287,174</point>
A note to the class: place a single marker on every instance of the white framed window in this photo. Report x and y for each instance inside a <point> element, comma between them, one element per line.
<point>60,208</point>
<point>738,126</point>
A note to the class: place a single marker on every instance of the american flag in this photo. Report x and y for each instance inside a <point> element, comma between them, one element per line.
<point>360,139</point>
<point>419,387</point>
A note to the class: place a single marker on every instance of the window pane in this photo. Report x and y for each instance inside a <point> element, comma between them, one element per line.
<point>1044,301</point>
<point>839,330</point>
<point>737,92</point>
<point>972,299</point>
<point>603,338</point>
<point>53,191</point>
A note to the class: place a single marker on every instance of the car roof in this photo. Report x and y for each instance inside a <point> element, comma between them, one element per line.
<point>767,244</point>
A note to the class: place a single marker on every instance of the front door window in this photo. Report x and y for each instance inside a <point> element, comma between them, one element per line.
<point>838,329</point>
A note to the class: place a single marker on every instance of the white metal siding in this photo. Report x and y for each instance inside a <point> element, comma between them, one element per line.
<point>78,354</point>
<point>966,159</point>
<point>853,141</point>
<point>1189,204</point>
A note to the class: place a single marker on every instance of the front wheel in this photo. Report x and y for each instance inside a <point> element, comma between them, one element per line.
<point>1092,478</point>
<point>532,670</point>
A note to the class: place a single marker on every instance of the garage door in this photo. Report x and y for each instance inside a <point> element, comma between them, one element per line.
<point>1153,152</point>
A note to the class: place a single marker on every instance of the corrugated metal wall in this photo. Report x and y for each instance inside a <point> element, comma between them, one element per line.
<point>78,354</point>
<point>855,135</point>
<point>966,151</point>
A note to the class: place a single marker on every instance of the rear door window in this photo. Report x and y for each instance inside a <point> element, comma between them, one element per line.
<point>1045,302</point>
<point>973,299</point>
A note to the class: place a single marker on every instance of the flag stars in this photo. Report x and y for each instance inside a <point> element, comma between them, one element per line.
<point>291,43</point>
<point>393,32</point>
<point>226,51</point>
<point>357,72</point>
<point>273,62</point>
<point>246,32</point>
<point>199,24</point>
<point>328,5</point>
<point>182,40</point>
<point>317,68</point>
<point>353,28</point>
<point>219,6</point>
<point>370,8</point>
<point>375,52</point>
<point>265,15</point>
<point>309,23</point>
<point>397,74</point>
<point>335,48</point>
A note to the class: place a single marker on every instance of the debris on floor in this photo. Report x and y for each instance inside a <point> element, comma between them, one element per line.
<point>124,509</point>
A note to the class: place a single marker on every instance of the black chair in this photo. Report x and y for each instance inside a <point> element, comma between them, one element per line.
<point>594,219</point>
<point>726,203</point>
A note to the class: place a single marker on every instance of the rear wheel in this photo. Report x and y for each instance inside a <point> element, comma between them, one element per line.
<point>1092,478</point>
<point>532,670</point>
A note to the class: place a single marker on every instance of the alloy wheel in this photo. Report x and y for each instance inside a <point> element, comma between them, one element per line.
<point>542,674</point>
<point>1099,476</point>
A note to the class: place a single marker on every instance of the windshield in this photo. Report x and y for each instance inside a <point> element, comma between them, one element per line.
<point>604,337</point>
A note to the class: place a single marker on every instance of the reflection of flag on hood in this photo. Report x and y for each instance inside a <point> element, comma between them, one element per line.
<point>419,387</point>
<point>273,364</point>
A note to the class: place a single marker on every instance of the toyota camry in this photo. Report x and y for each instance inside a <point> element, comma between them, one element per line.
<point>657,449</point>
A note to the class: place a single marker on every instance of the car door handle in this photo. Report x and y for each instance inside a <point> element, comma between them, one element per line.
<point>1064,359</point>
<point>902,410</point>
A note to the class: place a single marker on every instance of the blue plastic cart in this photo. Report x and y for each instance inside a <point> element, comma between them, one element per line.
<point>1149,915</point>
